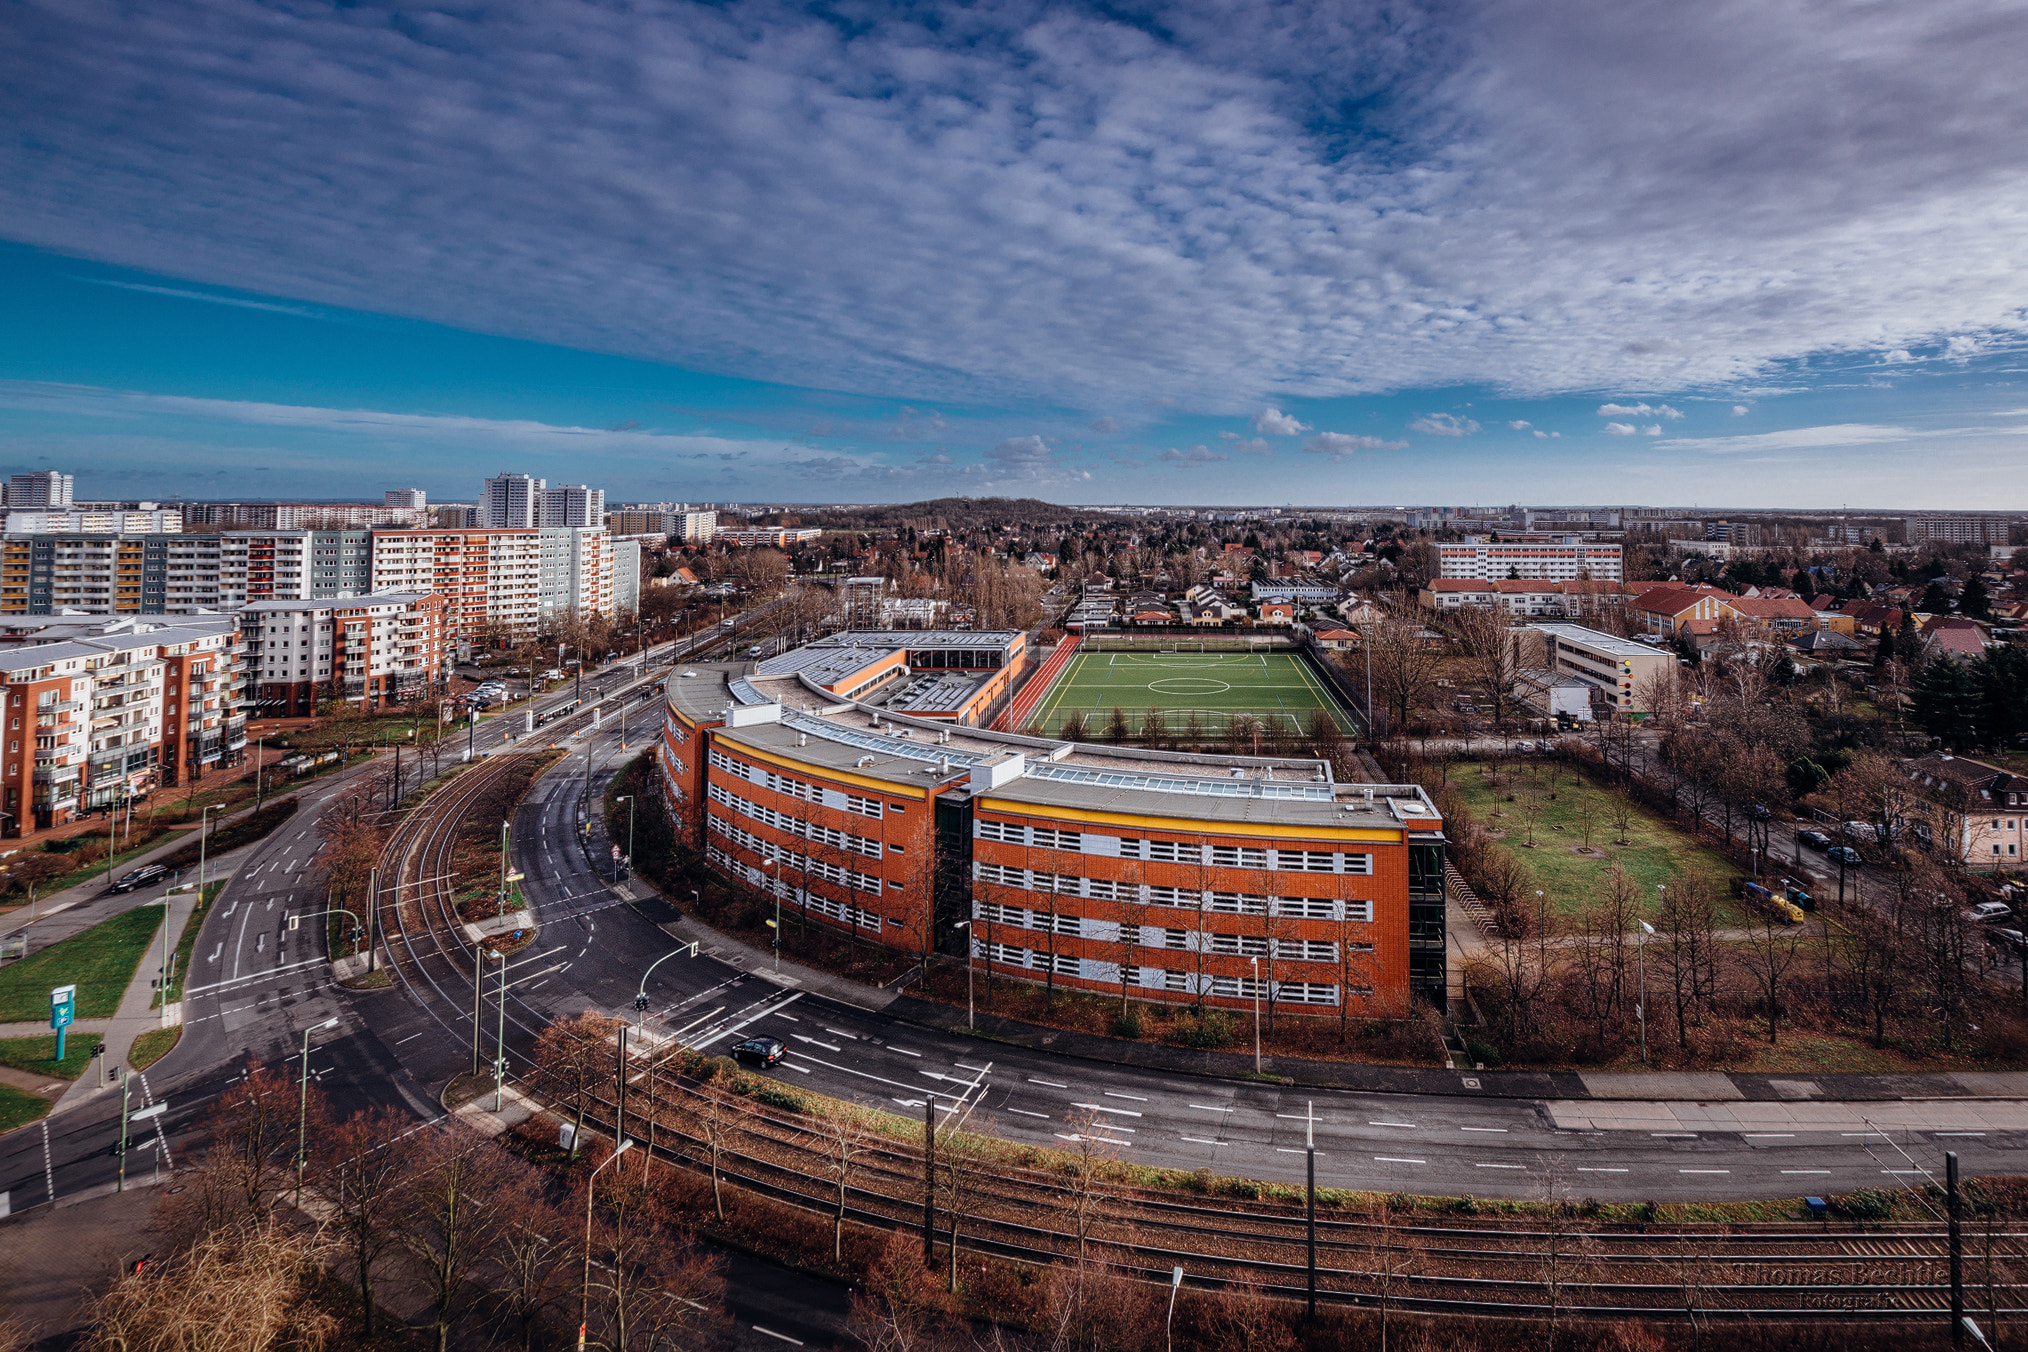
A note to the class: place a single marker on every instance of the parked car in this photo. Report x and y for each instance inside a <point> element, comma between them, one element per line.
<point>1816,840</point>
<point>553,674</point>
<point>1760,812</point>
<point>761,1051</point>
<point>140,877</point>
<point>2002,937</point>
<point>1524,746</point>
<point>756,650</point>
<point>1846,854</point>
<point>1988,912</point>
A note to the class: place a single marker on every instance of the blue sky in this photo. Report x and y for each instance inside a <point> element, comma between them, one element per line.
<point>1765,254</point>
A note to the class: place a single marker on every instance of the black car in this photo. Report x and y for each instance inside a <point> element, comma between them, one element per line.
<point>140,877</point>
<point>1760,812</point>
<point>2001,937</point>
<point>761,1051</point>
<point>1816,840</point>
<point>1846,854</point>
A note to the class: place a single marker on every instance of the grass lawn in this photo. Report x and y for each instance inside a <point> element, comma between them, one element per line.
<point>38,1054</point>
<point>1655,852</point>
<point>1212,685</point>
<point>99,962</point>
<point>18,1109</point>
<point>151,1047</point>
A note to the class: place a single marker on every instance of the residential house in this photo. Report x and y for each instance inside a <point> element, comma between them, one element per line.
<point>1981,804</point>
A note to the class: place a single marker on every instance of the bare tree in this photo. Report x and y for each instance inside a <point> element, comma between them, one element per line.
<point>245,1287</point>
<point>1485,635</point>
<point>1089,1165</point>
<point>1404,665</point>
<point>844,1143</point>
<point>575,1059</point>
<point>455,1212</point>
<point>716,1122</point>
<point>1769,952</point>
<point>1687,950</point>
<point>1599,955</point>
<point>365,1189</point>
<point>1391,1258</point>
<point>532,1262</point>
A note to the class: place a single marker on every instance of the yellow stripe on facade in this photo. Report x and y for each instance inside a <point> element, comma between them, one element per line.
<point>1199,826</point>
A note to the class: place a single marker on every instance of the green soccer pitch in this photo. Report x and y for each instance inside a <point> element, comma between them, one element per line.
<point>1214,685</point>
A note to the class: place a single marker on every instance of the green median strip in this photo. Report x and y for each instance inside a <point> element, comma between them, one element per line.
<point>100,962</point>
<point>18,1109</point>
<point>37,1054</point>
<point>188,943</point>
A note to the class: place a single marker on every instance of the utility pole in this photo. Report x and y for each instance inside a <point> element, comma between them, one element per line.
<point>929,1179</point>
<point>500,1037</point>
<point>1310,1161</point>
<point>478,1001</point>
<point>373,920</point>
<point>1955,1202</point>
<point>620,1078</point>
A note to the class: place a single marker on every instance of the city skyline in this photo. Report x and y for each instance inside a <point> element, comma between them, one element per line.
<point>1271,255</point>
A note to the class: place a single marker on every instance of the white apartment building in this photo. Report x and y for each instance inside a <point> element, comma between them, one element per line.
<point>1559,559</point>
<point>406,499</point>
<point>41,490</point>
<point>626,577</point>
<point>575,571</point>
<point>511,501</point>
<point>572,505</point>
<point>49,521</point>
<point>379,650</point>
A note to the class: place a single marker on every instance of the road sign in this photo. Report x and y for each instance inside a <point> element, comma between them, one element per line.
<point>62,1010</point>
<point>616,854</point>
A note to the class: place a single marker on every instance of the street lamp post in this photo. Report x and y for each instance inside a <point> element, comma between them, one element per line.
<point>971,1017</point>
<point>1256,1014</point>
<point>628,799</point>
<point>203,839</point>
<point>584,1296</point>
<point>303,1107</point>
<point>774,886</point>
<point>500,1035</point>
<point>1641,969</point>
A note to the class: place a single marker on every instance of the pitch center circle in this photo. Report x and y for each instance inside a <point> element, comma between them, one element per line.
<point>1188,685</point>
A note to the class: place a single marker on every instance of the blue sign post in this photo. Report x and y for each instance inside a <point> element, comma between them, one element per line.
<point>62,1009</point>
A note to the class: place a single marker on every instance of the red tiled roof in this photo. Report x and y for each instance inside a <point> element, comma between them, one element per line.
<point>1459,584</point>
<point>1775,608</point>
<point>1958,642</point>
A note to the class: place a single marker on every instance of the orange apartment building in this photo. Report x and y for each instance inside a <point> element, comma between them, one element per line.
<point>1183,877</point>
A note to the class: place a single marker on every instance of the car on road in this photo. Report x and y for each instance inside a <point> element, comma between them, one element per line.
<point>1990,912</point>
<point>761,1051</point>
<point>1816,840</point>
<point>1760,812</point>
<point>1846,854</point>
<point>140,877</point>
<point>1524,746</point>
<point>2000,936</point>
<point>756,650</point>
<point>553,674</point>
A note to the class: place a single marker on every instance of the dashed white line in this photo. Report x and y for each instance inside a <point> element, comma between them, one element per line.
<point>1704,1171</point>
<point>1395,1159</point>
<point>1957,1133</point>
<point>1806,1171</point>
<point>1588,1169</point>
<point>905,1051</point>
<point>1765,1135</point>
<point>1204,1107</point>
<point>1051,1083</point>
<point>1101,1108</point>
<point>798,1342</point>
<point>410,1038</point>
<point>1671,1135</point>
<point>1200,1140</point>
<point>1409,1125</point>
<point>1025,1113</point>
<point>1499,1166</point>
<point>1138,1098</point>
<point>1501,1130</point>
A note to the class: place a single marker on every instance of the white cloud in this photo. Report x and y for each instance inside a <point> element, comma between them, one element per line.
<point>1739,410</point>
<point>1196,455</point>
<point>1546,435</point>
<point>1520,424</point>
<point>1827,437</point>
<point>1619,429</point>
<point>1272,422</point>
<point>1444,425</point>
<point>1652,430</point>
<point>1340,445</point>
<point>1105,424</point>
<point>1254,447</point>
<point>794,185</point>
<point>1637,411</point>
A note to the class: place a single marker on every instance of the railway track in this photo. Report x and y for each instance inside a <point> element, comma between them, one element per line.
<point>1481,1267</point>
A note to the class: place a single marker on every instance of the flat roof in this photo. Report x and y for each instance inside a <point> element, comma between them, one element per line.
<point>699,689</point>
<point>1592,638</point>
<point>1347,808</point>
<point>892,761</point>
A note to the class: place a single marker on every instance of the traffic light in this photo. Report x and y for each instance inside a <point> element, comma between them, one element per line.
<point>640,1002</point>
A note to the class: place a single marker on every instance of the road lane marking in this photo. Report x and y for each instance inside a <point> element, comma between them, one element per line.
<point>1207,1108</point>
<point>1499,1166</point>
<point>1051,1083</point>
<point>1409,1125</point>
<point>1138,1098</point>
<point>1670,1135</point>
<point>1764,1135</point>
<point>1395,1159</point>
<point>1957,1133</point>
<point>959,1064</point>
<point>798,1342</point>
<point>1101,1108</point>
<point>1806,1171</point>
<point>827,1046</point>
<point>1588,1169</point>
<point>1704,1171</point>
<point>1200,1140</point>
<point>1025,1113</point>
<point>1501,1130</point>
<point>906,1052</point>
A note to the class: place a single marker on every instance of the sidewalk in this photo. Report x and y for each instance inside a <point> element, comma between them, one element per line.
<point>137,1013</point>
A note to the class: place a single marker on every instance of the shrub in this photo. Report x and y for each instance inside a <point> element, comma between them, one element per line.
<point>1128,1025</point>
<point>1211,1028</point>
<point>1867,1204</point>
<point>781,1096</point>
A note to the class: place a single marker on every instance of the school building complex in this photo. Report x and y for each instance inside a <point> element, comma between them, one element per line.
<point>1182,877</point>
